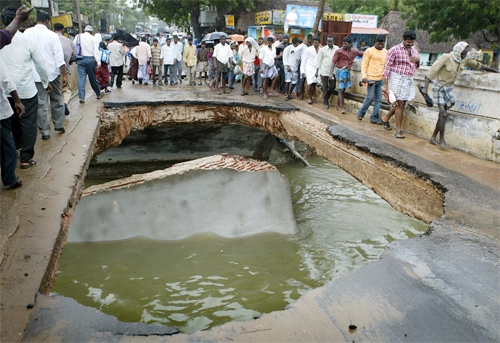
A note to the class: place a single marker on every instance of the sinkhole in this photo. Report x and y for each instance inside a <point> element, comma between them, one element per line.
<point>205,242</point>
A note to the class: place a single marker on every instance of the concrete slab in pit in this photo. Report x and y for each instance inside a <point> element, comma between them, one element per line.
<point>439,287</point>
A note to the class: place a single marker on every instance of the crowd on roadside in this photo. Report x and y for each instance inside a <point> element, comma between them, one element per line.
<point>34,68</point>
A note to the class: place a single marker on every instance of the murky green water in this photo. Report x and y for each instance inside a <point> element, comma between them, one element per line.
<point>206,280</point>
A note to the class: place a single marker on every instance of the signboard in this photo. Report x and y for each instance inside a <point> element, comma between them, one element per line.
<point>64,19</point>
<point>229,21</point>
<point>300,16</point>
<point>263,18</point>
<point>334,17</point>
<point>367,21</point>
<point>278,17</point>
<point>40,3</point>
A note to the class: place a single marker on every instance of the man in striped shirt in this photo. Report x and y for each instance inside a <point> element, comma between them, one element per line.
<point>155,62</point>
<point>401,63</point>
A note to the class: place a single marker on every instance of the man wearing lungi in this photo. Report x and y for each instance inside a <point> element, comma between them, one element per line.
<point>268,69</point>
<point>247,55</point>
<point>308,68</point>
<point>445,71</point>
<point>402,62</point>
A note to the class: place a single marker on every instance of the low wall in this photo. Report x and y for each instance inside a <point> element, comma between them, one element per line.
<point>472,124</point>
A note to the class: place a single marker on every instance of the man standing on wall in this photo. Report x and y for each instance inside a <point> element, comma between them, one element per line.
<point>401,63</point>
<point>189,58</point>
<point>155,62</point>
<point>372,70</point>
<point>178,48</point>
<point>324,66</point>
<point>445,71</point>
<point>143,51</point>
<point>202,59</point>
<point>309,69</point>
<point>247,55</point>
<point>268,70</point>
<point>291,65</point>
<point>117,51</point>
<point>223,57</point>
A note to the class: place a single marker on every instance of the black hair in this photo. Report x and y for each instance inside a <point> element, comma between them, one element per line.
<point>330,37</point>
<point>295,40</point>
<point>42,16</point>
<point>410,34</point>
<point>58,27</point>
<point>270,39</point>
<point>380,38</point>
<point>116,37</point>
<point>144,39</point>
<point>8,14</point>
<point>316,38</point>
<point>347,39</point>
<point>155,40</point>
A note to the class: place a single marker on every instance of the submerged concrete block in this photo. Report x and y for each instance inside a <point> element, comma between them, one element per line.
<point>228,195</point>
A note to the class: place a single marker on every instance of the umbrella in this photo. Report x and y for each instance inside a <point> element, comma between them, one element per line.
<point>215,36</point>
<point>127,38</point>
<point>106,37</point>
<point>237,38</point>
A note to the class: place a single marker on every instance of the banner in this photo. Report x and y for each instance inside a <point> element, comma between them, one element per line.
<point>300,16</point>
<point>263,18</point>
<point>334,16</point>
<point>362,20</point>
<point>229,21</point>
<point>278,17</point>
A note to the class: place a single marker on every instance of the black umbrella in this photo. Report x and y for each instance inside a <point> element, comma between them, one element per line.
<point>127,38</point>
<point>215,36</point>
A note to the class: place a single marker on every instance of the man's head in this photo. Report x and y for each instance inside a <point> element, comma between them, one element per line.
<point>58,27</point>
<point>168,41</point>
<point>379,42</point>
<point>89,29</point>
<point>116,37</point>
<point>249,44</point>
<point>286,38</point>
<point>261,40</point>
<point>310,38</point>
<point>347,42</point>
<point>223,40</point>
<point>203,45</point>
<point>316,41</point>
<point>329,41</point>
<point>155,42</point>
<point>144,39</point>
<point>409,38</point>
<point>269,42</point>
<point>42,17</point>
<point>176,39</point>
<point>190,40</point>
<point>295,41</point>
<point>8,14</point>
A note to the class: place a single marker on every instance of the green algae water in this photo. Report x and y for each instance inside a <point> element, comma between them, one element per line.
<point>206,280</point>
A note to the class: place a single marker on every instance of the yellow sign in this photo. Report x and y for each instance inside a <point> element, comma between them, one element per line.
<point>64,19</point>
<point>334,17</point>
<point>264,18</point>
<point>230,21</point>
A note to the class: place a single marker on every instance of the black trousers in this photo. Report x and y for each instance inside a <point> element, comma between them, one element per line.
<point>327,86</point>
<point>24,129</point>
<point>116,71</point>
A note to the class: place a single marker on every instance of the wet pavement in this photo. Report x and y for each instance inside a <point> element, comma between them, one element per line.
<point>440,287</point>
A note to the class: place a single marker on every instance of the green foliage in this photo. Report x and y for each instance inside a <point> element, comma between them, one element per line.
<point>377,7</point>
<point>452,20</point>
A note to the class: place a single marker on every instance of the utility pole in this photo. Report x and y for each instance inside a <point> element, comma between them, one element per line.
<point>77,6</point>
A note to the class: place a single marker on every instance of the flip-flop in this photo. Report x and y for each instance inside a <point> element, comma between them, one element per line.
<point>15,184</point>
<point>399,134</point>
<point>309,102</point>
<point>386,124</point>
<point>27,164</point>
<point>359,117</point>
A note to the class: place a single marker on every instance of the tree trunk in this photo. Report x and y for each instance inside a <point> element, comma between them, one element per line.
<point>195,21</point>
<point>319,15</point>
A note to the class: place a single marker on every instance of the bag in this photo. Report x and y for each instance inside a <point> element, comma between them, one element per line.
<point>237,70</point>
<point>104,55</point>
<point>78,48</point>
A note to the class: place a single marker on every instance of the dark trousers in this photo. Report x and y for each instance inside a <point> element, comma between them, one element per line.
<point>87,66</point>
<point>8,155</point>
<point>118,72</point>
<point>327,86</point>
<point>24,128</point>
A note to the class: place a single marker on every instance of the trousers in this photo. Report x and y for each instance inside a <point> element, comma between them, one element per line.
<point>56,106</point>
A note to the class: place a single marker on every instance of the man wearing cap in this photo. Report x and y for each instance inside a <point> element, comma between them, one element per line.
<point>50,46</point>
<point>87,62</point>
<point>189,58</point>
<point>372,73</point>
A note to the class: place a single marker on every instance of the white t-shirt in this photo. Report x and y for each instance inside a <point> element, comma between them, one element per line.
<point>223,53</point>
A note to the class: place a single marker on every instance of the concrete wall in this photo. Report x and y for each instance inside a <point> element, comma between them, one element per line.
<point>472,123</point>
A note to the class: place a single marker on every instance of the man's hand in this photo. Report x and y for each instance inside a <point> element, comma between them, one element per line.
<point>364,80</point>
<point>65,80</point>
<point>303,75</point>
<point>49,88</point>
<point>316,74</point>
<point>415,59</point>
<point>19,108</point>
<point>289,69</point>
<point>23,13</point>
<point>384,88</point>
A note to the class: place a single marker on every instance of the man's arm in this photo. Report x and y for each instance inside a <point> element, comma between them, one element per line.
<point>365,62</point>
<point>22,15</point>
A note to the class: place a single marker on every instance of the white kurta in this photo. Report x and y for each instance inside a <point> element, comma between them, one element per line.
<point>308,65</point>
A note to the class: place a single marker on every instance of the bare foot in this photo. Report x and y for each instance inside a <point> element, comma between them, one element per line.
<point>433,141</point>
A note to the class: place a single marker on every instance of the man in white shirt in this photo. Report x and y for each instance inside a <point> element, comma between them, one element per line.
<point>179,50</point>
<point>7,147</point>
<point>50,46</point>
<point>324,65</point>
<point>308,68</point>
<point>69,51</point>
<point>167,59</point>
<point>223,57</point>
<point>268,70</point>
<point>87,61</point>
<point>20,57</point>
<point>291,60</point>
<point>143,51</point>
<point>247,55</point>
<point>117,51</point>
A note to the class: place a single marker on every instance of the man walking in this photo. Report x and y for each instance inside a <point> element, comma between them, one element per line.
<point>117,52</point>
<point>179,49</point>
<point>324,66</point>
<point>202,58</point>
<point>372,70</point>
<point>247,55</point>
<point>223,57</point>
<point>50,46</point>
<point>291,65</point>
<point>400,66</point>
<point>309,69</point>
<point>89,58</point>
<point>167,59</point>
<point>342,61</point>
<point>69,51</point>
<point>143,52</point>
<point>189,58</point>
<point>445,72</point>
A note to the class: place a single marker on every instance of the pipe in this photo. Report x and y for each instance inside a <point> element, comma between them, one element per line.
<point>290,147</point>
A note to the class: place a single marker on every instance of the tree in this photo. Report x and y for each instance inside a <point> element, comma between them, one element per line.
<point>452,20</point>
<point>319,15</point>
<point>376,7</point>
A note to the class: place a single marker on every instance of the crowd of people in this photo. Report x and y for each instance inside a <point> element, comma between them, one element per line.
<point>35,89</point>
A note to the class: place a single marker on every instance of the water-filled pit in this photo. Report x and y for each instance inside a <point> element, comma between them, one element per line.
<point>206,280</point>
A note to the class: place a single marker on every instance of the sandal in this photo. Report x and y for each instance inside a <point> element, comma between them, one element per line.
<point>359,117</point>
<point>27,164</point>
<point>218,92</point>
<point>309,102</point>
<point>386,124</point>
<point>15,184</point>
<point>265,96</point>
<point>399,134</point>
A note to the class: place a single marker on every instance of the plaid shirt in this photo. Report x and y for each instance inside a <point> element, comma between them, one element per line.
<point>155,55</point>
<point>398,61</point>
